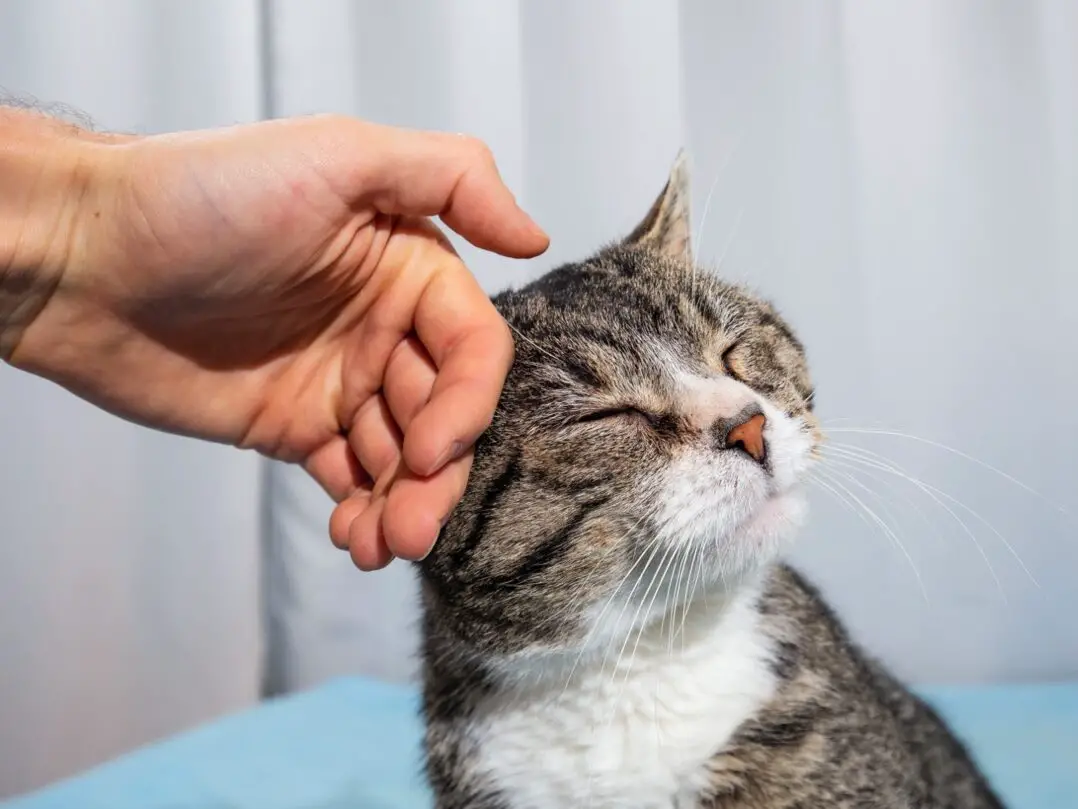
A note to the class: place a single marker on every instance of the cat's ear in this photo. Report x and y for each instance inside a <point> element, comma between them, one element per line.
<point>668,225</point>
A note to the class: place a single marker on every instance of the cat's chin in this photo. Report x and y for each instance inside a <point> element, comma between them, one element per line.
<point>756,542</point>
<point>776,520</point>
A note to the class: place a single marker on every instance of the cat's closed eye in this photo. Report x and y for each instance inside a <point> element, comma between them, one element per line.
<point>657,424</point>
<point>611,413</point>
<point>726,359</point>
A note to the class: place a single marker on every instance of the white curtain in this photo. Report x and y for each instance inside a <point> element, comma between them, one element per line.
<point>129,561</point>
<point>902,178</point>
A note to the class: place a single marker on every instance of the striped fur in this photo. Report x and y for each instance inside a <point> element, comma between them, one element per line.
<point>611,535</point>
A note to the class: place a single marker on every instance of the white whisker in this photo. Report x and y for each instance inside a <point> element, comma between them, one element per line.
<point>875,461</point>
<point>887,531</point>
<point>965,528</point>
<point>731,239</point>
<point>680,584</point>
<point>655,544</point>
<point>665,565</point>
<point>652,545</point>
<point>959,453</point>
<point>654,580</point>
<point>557,362</point>
<point>710,193</point>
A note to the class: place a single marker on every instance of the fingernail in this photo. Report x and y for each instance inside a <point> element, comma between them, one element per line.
<point>455,450</point>
<point>430,549</point>
<point>437,536</point>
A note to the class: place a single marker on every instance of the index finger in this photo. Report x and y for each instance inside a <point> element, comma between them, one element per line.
<point>472,347</point>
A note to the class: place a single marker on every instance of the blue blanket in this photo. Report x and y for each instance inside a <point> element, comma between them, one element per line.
<point>354,744</point>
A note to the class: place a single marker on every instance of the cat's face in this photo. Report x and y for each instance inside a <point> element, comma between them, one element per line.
<point>650,441</point>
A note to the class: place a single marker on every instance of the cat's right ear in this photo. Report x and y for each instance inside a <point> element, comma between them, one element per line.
<point>667,227</point>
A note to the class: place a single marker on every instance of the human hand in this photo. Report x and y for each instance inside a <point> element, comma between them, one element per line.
<point>276,287</point>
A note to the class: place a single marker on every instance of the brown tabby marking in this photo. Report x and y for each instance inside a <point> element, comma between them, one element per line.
<point>562,505</point>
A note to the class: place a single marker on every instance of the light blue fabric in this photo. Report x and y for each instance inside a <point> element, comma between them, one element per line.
<point>354,744</point>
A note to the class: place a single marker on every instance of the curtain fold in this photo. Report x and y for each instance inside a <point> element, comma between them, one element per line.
<point>129,560</point>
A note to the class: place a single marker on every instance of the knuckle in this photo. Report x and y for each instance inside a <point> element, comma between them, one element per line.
<point>477,150</point>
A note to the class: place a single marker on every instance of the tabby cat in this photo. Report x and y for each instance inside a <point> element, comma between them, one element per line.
<point>606,621</point>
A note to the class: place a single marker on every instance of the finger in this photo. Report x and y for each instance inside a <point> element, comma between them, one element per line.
<point>335,467</point>
<point>473,349</point>
<point>416,508</point>
<point>409,380</point>
<point>375,438</point>
<point>340,521</point>
<point>366,543</point>
<point>417,173</point>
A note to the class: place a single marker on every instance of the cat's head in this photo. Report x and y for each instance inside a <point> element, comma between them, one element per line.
<point>650,441</point>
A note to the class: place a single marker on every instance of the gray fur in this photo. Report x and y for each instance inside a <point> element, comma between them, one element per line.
<point>544,529</point>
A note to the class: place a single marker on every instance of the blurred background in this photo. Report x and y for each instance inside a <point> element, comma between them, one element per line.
<point>901,178</point>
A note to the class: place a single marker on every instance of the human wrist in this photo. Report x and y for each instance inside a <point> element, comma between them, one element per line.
<point>47,168</point>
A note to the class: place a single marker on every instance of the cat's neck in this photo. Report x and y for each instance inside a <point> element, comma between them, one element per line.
<point>625,641</point>
<point>636,726</point>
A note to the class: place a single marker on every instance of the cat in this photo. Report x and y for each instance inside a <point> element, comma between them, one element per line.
<point>607,621</point>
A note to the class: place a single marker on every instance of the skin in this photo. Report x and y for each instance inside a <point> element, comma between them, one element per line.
<point>278,287</point>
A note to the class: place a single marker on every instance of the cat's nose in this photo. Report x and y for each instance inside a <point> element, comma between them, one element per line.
<point>747,435</point>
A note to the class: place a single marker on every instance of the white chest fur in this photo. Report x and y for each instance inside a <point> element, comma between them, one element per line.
<point>637,735</point>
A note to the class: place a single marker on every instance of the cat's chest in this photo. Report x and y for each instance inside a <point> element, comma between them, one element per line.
<point>633,736</point>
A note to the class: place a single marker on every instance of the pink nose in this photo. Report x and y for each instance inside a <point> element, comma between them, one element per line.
<point>749,437</point>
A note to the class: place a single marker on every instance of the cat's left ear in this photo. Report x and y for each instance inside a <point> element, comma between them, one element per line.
<point>668,225</point>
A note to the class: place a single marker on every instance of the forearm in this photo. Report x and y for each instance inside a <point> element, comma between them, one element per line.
<point>45,171</point>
